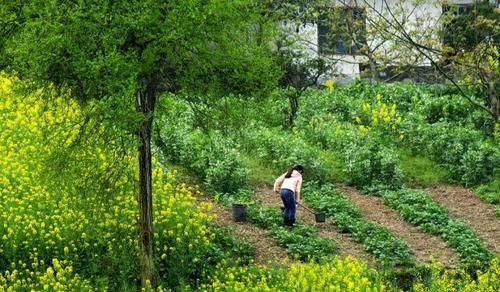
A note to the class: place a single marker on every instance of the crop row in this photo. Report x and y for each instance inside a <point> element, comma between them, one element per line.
<point>301,241</point>
<point>377,239</point>
<point>418,208</point>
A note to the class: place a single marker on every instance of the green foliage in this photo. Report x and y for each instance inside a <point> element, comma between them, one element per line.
<point>369,163</point>
<point>281,150</point>
<point>435,122</point>
<point>103,50</point>
<point>490,192</point>
<point>465,152</point>
<point>301,241</point>
<point>420,170</point>
<point>211,157</point>
<point>452,108</point>
<point>377,239</point>
<point>465,31</point>
<point>418,208</point>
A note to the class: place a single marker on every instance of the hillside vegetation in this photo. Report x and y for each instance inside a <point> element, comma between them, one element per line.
<point>69,203</point>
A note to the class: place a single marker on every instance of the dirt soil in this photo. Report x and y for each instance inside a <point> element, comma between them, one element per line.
<point>267,250</point>
<point>422,244</point>
<point>464,205</point>
<point>345,244</point>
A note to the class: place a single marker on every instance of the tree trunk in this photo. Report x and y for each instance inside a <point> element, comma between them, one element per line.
<point>494,102</point>
<point>293,98</point>
<point>145,105</point>
<point>373,68</point>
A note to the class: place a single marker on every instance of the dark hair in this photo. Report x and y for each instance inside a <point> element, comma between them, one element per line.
<point>297,167</point>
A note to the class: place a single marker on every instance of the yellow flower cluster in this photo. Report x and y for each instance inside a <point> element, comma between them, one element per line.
<point>455,280</point>
<point>181,220</point>
<point>379,115</point>
<point>319,125</point>
<point>43,217</point>
<point>57,277</point>
<point>346,274</point>
<point>330,85</point>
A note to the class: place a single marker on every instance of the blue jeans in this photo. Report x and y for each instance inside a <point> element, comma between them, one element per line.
<point>288,198</point>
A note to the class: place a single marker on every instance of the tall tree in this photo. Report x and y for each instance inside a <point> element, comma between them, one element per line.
<point>127,53</point>
<point>302,66</point>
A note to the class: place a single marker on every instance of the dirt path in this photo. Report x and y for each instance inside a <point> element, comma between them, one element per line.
<point>345,244</point>
<point>267,250</point>
<point>422,244</point>
<point>464,205</point>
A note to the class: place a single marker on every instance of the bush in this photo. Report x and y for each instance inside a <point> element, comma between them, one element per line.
<point>281,150</point>
<point>370,163</point>
<point>212,157</point>
<point>453,109</point>
<point>466,153</point>
<point>490,192</point>
<point>480,162</point>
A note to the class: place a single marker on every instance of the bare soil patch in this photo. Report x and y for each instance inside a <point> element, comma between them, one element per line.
<point>422,244</point>
<point>267,250</point>
<point>345,244</point>
<point>464,205</point>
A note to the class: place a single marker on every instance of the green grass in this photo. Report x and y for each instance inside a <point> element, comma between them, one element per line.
<point>490,192</point>
<point>421,171</point>
<point>335,163</point>
<point>259,171</point>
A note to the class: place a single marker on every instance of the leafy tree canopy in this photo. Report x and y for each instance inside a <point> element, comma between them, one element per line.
<point>102,49</point>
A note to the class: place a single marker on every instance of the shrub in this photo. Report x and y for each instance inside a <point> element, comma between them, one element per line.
<point>370,163</point>
<point>281,150</point>
<point>212,157</point>
<point>466,153</point>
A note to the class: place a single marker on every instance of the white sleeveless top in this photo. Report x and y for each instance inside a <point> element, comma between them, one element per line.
<point>293,183</point>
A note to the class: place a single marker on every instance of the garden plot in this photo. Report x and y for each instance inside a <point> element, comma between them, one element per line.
<point>422,244</point>
<point>267,249</point>
<point>345,244</point>
<point>463,204</point>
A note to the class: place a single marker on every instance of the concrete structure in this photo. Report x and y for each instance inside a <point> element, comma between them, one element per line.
<point>347,62</point>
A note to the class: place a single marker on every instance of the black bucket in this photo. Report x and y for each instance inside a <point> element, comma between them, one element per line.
<point>320,217</point>
<point>239,212</point>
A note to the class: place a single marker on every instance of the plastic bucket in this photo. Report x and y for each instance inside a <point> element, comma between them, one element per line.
<point>239,212</point>
<point>320,217</point>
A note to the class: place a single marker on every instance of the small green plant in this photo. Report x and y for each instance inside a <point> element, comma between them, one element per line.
<point>301,241</point>
<point>490,192</point>
<point>418,208</point>
<point>377,239</point>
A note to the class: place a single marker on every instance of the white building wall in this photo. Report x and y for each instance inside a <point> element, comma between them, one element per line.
<point>346,67</point>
